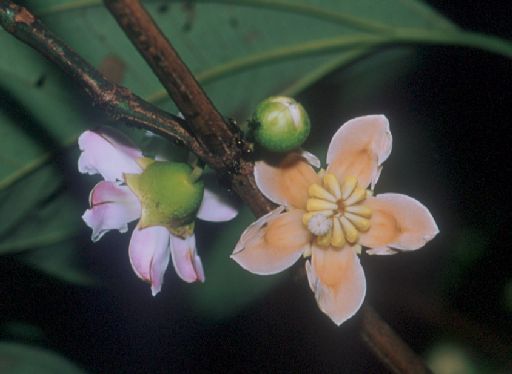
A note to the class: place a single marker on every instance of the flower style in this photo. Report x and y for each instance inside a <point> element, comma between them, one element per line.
<point>114,203</point>
<point>330,215</point>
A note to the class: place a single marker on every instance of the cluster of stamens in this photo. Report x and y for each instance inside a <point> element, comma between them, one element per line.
<point>335,214</point>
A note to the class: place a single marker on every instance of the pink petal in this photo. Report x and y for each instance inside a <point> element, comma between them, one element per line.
<point>287,181</point>
<point>103,154</point>
<point>359,148</point>
<point>337,279</point>
<point>149,253</point>
<point>398,221</point>
<point>186,262</point>
<point>218,204</point>
<point>112,208</point>
<point>272,243</point>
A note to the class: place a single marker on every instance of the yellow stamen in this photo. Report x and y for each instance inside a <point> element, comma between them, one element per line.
<point>334,213</point>
<point>318,204</point>
<point>349,229</point>
<point>348,186</point>
<point>361,223</point>
<point>338,239</point>
<point>316,190</point>
<point>332,185</point>
<point>324,240</point>
<point>358,195</point>
<point>360,210</point>
<point>307,216</point>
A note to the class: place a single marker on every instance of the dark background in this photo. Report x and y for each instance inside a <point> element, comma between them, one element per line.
<point>452,291</point>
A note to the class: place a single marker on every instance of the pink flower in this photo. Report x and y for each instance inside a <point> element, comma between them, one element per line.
<point>113,205</point>
<point>330,215</point>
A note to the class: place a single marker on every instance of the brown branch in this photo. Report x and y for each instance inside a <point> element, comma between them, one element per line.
<point>388,346</point>
<point>204,120</point>
<point>208,126</point>
<point>115,100</point>
<point>218,144</point>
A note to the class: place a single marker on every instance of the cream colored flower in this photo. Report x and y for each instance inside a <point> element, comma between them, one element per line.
<point>330,215</point>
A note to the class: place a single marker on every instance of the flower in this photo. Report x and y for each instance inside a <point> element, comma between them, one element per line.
<point>114,203</point>
<point>328,216</point>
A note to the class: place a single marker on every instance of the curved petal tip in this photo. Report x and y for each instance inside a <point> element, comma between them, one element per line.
<point>186,262</point>
<point>273,243</point>
<point>337,279</point>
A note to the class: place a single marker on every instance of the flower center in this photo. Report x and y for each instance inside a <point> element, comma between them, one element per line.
<point>335,211</point>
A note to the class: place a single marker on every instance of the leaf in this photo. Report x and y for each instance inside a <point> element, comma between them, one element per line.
<point>61,261</point>
<point>22,331</point>
<point>241,50</point>
<point>228,288</point>
<point>51,221</point>
<point>18,358</point>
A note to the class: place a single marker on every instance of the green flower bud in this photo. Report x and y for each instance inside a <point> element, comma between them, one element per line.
<point>170,194</point>
<point>280,124</point>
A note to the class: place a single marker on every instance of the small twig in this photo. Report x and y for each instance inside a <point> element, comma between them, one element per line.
<point>205,122</point>
<point>116,101</point>
<point>204,119</point>
<point>388,346</point>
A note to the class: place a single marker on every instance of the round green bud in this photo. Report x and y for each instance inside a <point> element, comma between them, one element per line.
<point>280,124</point>
<point>169,192</point>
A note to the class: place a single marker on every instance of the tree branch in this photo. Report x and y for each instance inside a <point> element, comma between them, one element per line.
<point>115,100</point>
<point>204,119</point>
<point>388,346</point>
<point>218,143</point>
<point>205,122</point>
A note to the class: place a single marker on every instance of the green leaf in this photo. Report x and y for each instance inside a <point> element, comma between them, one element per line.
<point>51,221</point>
<point>18,358</point>
<point>228,287</point>
<point>61,261</point>
<point>21,331</point>
<point>241,50</point>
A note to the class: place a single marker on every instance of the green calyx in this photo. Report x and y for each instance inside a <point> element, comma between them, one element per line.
<point>280,124</point>
<point>170,194</point>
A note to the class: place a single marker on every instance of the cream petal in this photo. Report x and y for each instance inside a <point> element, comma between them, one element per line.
<point>186,262</point>
<point>103,154</point>
<point>337,279</point>
<point>149,252</point>
<point>218,204</point>
<point>112,208</point>
<point>311,158</point>
<point>381,251</point>
<point>398,221</point>
<point>287,181</point>
<point>272,243</point>
<point>359,148</point>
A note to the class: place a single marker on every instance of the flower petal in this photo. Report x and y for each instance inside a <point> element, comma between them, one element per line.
<point>112,207</point>
<point>272,243</point>
<point>287,182</point>
<point>398,221</point>
<point>337,279</point>
<point>218,204</point>
<point>101,153</point>
<point>149,253</point>
<point>186,262</point>
<point>359,148</point>
<point>311,159</point>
